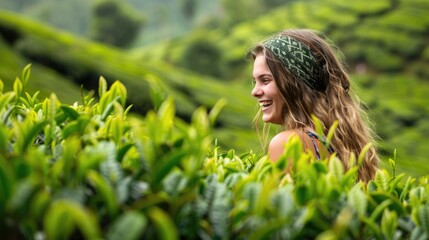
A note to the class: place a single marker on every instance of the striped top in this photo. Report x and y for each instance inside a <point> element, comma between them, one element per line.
<point>313,137</point>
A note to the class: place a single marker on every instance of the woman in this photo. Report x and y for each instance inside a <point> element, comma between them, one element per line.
<point>297,75</point>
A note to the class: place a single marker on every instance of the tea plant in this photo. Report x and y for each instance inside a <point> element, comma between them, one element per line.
<point>94,170</point>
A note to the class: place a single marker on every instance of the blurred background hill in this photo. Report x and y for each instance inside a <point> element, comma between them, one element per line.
<point>194,50</point>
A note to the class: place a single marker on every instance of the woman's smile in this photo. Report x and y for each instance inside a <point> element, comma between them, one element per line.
<point>265,104</point>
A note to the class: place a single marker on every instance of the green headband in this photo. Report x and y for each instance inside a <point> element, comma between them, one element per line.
<point>297,58</point>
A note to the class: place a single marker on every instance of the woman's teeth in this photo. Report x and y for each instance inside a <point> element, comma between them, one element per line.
<point>265,103</point>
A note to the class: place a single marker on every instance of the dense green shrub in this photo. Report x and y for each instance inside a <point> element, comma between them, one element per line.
<point>94,171</point>
<point>377,37</point>
<point>115,23</point>
<point>203,55</point>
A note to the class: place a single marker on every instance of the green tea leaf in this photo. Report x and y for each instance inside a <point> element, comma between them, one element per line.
<point>69,111</point>
<point>31,135</point>
<point>50,108</point>
<point>218,209</point>
<point>418,195</point>
<point>331,132</point>
<point>200,121</point>
<point>110,168</point>
<point>267,230</point>
<point>26,74</point>
<point>17,87</point>
<point>22,195</point>
<point>216,109</point>
<point>419,233</point>
<point>302,195</point>
<point>70,129</point>
<point>64,215</point>
<point>4,140</point>
<point>89,158</point>
<point>166,114</point>
<point>157,91</point>
<point>25,102</point>
<point>166,164</point>
<point>105,190</point>
<point>336,168</point>
<point>357,200</point>
<point>122,151</point>
<point>382,179</point>
<point>116,128</point>
<point>34,97</point>
<point>7,183</point>
<point>57,223</point>
<point>104,101</point>
<point>394,204</point>
<point>39,204</point>
<point>423,217</point>
<point>109,108</point>
<point>5,99</point>
<point>372,227</point>
<point>389,222</point>
<point>166,229</point>
<point>102,86</point>
<point>8,113</point>
<point>318,125</point>
<point>363,153</point>
<point>379,209</point>
<point>406,188</point>
<point>128,226</point>
<point>119,92</point>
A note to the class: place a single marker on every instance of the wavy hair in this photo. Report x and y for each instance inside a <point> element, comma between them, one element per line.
<point>336,103</point>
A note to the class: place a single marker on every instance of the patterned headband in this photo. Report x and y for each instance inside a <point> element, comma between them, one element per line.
<point>297,58</point>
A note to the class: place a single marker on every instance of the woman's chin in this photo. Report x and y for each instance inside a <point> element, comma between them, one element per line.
<point>267,119</point>
<point>270,119</point>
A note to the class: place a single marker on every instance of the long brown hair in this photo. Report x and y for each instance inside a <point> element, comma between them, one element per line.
<point>336,103</point>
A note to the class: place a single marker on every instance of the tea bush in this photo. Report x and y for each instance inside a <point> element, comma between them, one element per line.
<point>92,170</point>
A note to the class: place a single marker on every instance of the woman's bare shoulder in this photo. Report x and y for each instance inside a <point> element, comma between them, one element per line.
<point>284,136</point>
<point>277,143</point>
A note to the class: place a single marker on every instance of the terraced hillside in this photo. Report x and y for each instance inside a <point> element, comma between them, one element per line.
<point>385,43</point>
<point>83,62</point>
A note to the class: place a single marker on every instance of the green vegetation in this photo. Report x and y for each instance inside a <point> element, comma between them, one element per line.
<point>208,54</point>
<point>115,23</point>
<point>384,43</point>
<point>45,79</point>
<point>143,78</point>
<point>94,170</point>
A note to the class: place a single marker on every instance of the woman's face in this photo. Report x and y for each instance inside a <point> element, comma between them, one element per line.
<point>266,91</point>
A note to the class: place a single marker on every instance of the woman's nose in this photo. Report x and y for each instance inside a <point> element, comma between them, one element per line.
<point>256,91</point>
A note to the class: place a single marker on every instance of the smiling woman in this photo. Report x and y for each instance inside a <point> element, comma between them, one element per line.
<point>297,75</point>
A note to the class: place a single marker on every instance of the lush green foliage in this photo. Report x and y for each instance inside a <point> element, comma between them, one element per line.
<point>92,170</point>
<point>189,90</point>
<point>115,23</point>
<point>44,79</point>
<point>165,19</point>
<point>208,54</point>
<point>384,42</point>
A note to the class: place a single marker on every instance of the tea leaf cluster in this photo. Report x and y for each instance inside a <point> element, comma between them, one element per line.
<point>93,170</point>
